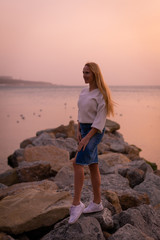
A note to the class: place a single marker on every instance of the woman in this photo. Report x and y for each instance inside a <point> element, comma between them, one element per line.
<point>94,105</point>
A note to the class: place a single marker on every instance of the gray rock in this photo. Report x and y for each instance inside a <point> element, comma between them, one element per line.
<point>129,232</point>
<point>112,197</point>
<point>112,139</point>
<point>86,228</point>
<point>55,156</point>
<point>142,165</point>
<point>27,172</point>
<point>130,198</point>
<point>15,158</point>
<point>65,176</point>
<point>114,160</point>
<point>104,218</point>
<point>9,177</point>
<point>68,144</point>
<point>119,163</point>
<point>151,186</point>
<point>68,130</point>
<point>27,142</point>
<point>118,175</point>
<point>132,152</point>
<point>34,171</point>
<point>114,182</point>
<point>61,135</point>
<point>144,218</point>
<point>32,209</point>
<point>43,139</point>
<point>103,148</point>
<point>118,147</point>
<point>134,176</point>
<point>111,126</point>
<point>19,187</point>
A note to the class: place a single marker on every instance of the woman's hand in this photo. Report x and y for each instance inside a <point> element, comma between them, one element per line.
<point>83,143</point>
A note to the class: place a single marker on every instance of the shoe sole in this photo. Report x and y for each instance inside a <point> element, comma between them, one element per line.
<point>94,211</point>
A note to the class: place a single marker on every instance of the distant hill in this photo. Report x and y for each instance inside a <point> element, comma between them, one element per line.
<point>9,81</point>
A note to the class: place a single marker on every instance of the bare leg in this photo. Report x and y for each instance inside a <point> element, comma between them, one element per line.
<point>78,182</point>
<point>96,182</point>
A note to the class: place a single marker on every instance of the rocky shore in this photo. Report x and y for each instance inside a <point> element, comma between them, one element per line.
<point>36,193</point>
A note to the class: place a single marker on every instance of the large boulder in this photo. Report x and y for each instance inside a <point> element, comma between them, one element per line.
<point>151,186</point>
<point>112,197</point>
<point>27,172</point>
<point>34,171</point>
<point>27,142</point>
<point>55,156</point>
<point>68,144</point>
<point>31,209</point>
<point>108,160</point>
<point>86,228</point>
<point>103,148</point>
<point>43,139</point>
<point>111,126</point>
<point>114,182</point>
<point>9,177</point>
<point>41,185</point>
<point>112,159</point>
<point>125,199</point>
<point>142,165</point>
<point>65,176</point>
<point>129,232</point>
<point>134,175</point>
<point>115,141</point>
<point>130,198</point>
<point>15,158</point>
<point>67,131</point>
<point>132,152</point>
<point>104,218</point>
<point>144,218</point>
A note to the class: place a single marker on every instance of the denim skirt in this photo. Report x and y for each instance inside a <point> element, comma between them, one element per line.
<point>90,154</point>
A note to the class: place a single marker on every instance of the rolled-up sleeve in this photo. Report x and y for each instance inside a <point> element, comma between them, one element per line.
<point>100,119</point>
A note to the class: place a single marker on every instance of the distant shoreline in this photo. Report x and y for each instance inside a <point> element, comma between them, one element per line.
<point>9,81</point>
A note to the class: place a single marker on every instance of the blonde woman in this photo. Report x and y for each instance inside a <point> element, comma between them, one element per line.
<point>94,105</point>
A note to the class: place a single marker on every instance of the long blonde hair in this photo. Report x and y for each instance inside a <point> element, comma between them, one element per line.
<point>102,86</point>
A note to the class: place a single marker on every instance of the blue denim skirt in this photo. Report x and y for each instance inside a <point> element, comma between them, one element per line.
<point>90,154</point>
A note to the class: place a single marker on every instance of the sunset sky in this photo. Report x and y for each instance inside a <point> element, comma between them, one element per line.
<point>51,40</point>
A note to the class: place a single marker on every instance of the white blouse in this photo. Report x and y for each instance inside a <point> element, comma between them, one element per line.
<point>92,108</point>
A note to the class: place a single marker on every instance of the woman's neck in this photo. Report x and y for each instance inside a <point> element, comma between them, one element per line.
<point>92,86</point>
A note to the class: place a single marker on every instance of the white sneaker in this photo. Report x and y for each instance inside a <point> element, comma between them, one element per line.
<point>93,207</point>
<point>75,212</point>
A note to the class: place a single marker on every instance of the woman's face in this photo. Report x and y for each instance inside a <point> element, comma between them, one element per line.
<point>88,75</point>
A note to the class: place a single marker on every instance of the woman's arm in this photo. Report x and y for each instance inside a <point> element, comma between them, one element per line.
<point>84,141</point>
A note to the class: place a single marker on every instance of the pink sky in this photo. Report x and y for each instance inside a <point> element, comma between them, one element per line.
<point>51,40</point>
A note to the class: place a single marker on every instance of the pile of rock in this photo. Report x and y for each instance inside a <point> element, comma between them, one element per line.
<point>36,193</point>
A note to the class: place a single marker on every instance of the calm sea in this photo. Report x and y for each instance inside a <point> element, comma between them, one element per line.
<point>24,111</point>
